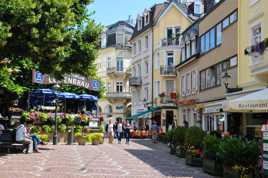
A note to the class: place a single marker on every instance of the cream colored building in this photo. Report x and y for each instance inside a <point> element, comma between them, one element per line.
<point>113,68</point>
<point>155,54</point>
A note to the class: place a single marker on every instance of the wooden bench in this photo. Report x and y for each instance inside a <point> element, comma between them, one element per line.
<point>8,144</point>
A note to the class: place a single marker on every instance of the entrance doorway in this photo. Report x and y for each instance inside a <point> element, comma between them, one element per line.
<point>169,120</point>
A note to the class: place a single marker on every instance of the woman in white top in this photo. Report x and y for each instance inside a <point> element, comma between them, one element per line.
<point>111,131</point>
<point>119,131</point>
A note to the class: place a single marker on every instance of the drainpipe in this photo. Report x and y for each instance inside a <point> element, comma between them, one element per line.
<point>152,66</point>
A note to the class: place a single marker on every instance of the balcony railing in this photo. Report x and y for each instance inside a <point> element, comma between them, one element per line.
<point>167,71</point>
<point>118,95</point>
<point>111,70</point>
<point>135,81</point>
<point>170,42</point>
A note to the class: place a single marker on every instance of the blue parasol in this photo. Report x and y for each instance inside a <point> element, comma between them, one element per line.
<point>67,95</point>
<point>88,97</point>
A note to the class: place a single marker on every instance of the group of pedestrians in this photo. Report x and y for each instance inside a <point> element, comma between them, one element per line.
<point>118,130</point>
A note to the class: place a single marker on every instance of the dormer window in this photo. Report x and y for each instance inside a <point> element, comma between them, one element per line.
<point>147,19</point>
<point>139,23</point>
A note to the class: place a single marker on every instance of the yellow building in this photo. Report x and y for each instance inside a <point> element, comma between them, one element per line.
<point>166,55</point>
<point>113,68</point>
<point>251,104</point>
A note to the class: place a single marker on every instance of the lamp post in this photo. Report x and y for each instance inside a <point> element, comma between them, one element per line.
<point>226,80</point>
<point>55,133</point>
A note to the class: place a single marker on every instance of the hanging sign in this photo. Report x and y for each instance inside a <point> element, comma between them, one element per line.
<point>71,79</point>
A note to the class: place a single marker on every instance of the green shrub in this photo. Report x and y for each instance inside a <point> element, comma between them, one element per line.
<point>43,117</point>
<point>25,116</point>
<point>169,135</point>
<point>44,138</point>
<point>35,129</point>
<point>211,147</point>
<point>59,119</point>
<point>62,128</point>
<point>179,136</point>
<point>78,129</point>
<point>194,137</point>
<point>47,129</point>
<point>235,152</point>
<point>70,119</point>
<point>95,137</point>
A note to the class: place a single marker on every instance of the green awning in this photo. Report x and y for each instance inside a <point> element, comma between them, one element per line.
<point>138,115</point>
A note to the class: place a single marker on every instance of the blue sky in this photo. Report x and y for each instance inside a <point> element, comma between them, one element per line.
<point>110,11</point>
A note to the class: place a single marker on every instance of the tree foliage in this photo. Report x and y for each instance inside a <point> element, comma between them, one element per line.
<point>53,36</point>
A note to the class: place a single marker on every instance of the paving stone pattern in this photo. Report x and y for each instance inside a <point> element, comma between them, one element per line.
<point>140,158</point>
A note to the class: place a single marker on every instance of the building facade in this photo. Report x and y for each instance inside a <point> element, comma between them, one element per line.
<point>155,54</point>
<point>252,68</point>
<point>113,67</point>
<point>208,52</point>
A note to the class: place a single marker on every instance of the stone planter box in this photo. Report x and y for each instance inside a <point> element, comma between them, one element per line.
<point>193,161</point>
<point>230,173</point>
<point>212,167</point>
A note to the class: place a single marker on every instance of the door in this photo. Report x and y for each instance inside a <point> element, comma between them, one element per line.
<point>169,120</point>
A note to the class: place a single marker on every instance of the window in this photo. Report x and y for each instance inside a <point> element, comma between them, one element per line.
<point>157,63</point>
<point>188,83</point>
<point>170,59</point>
<point>256,34</point>
<point>139,70</point>
<point>219,34</point>
<point>146,67</point>
<point>109,63</point>
<point>139,45</point>
<point>119,64</point>
<point>188,50</point>
<point>169,36</point>
<point>183,54</point>
<point>206,42</point>
<point>146,42</point>
<point>193,81</point>
<point>219,76</point>
<point>147,19</point>
<point>146,93</point>
<point>202,44</point>
<point>225,23</point>
<point>183,86</point>
<point>109,87</point>
<point>177,35</point>
<point>233,17</point>
<point>212,38</point>
<point>170,86</point>
<point>139,23</point>
<point>111,39</point>
<point>134,74</point>
<point>203,80</point>
<point>225,65</point>
<point>193,47</point>
<point>157,84</point>
<point>119,87</point>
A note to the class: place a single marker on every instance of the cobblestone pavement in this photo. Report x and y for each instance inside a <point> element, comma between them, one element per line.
<point>140,158</point>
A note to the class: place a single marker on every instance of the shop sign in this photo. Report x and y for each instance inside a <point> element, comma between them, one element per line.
<point>119,107</point>
<point>253,106</point>
<point>72,79</point>
<point>213,109</point>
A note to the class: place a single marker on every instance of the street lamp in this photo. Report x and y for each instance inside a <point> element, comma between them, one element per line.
<point>226,80</point>
<point>55,103</point>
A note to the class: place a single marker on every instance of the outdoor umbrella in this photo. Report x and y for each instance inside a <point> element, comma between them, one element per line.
<point>67,95</point>
<point>88,97</point>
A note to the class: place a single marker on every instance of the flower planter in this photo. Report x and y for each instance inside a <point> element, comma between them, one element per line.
<point>193,161</point>
<point>212,167</point>
<point>95,142</point>
<point>81,140</point>
<point>231,173</point>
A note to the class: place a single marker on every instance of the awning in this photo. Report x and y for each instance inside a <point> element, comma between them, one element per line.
<point>139,115</point>
<point>254,102</point>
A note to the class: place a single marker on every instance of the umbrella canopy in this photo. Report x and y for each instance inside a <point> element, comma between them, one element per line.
<point>254,102</point>
<point>67,95</point>
<point>88,97</point>
<point>45,91</point>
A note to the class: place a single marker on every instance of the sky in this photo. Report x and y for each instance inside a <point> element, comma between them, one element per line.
<point>110,11</point>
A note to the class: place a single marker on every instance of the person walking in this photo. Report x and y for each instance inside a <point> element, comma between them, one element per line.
<point>119,131</point>
<point>155,131</point>
<point>127,132</point>
<point>110,131</point>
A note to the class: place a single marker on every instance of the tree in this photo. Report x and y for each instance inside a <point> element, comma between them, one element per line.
<point>53,36</point>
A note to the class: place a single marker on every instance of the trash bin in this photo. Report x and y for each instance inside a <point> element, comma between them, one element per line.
<point>70,136</point>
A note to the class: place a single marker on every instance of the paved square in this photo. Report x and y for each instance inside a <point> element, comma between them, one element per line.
<point>140,158</point>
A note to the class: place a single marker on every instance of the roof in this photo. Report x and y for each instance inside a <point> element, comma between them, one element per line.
<point>121,22</point>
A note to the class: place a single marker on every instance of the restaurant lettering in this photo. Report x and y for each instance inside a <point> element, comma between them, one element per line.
<point>253,106</point>
<point>72,79</point>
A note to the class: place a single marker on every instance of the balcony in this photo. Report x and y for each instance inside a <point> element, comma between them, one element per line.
<point>259,60</point>
<point>167,99</point>
<point>135,81</point>
<point>167,71</point>
<point>170,42</point>
<point>115,71</point>
<point>118,95</point>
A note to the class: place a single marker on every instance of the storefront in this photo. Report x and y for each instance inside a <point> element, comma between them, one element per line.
<point>213,118</point>
<point>253,111</point>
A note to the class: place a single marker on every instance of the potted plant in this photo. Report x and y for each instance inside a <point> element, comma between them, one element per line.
<point>193,140</point>
<point>96,138</point>
<point>43,117</point>
<point>81,139</point>
<point>212,163</point>
<point>62,130</point>
<point>239,157</point>
<point>179,141</point>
